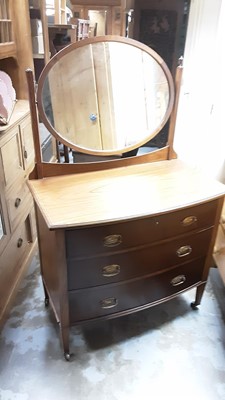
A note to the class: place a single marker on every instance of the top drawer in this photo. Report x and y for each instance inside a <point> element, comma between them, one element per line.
<point>115,237</point>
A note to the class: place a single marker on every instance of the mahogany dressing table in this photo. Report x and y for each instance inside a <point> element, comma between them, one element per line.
<point>119,235</point>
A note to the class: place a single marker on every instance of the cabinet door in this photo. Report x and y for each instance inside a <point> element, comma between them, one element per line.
<point>7,42</point>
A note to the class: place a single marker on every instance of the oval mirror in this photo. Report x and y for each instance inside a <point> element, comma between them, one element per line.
<point>105,95</point>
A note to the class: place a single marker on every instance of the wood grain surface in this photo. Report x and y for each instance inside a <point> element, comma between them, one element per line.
<point>121,193</point>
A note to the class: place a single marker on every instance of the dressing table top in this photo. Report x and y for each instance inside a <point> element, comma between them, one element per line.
<point>119,194</point>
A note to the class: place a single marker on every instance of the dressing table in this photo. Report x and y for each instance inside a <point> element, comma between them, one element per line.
<point>119,235</point>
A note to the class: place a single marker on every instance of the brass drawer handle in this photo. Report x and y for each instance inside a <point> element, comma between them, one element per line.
<point>110,302</point>
<point>184,251</point>
<point>112,240</point>
<point>178,280</point>
<point>17,202</point>
<point>19,242</point>
<point>110,270</point>
<point>189,220</point>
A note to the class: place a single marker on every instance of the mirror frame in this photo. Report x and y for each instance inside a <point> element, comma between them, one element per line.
<point>85,42</point>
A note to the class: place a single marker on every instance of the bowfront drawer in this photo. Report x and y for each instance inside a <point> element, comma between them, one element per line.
<point>115,237</point>
<point>109,299</point>
<point>106,269</point>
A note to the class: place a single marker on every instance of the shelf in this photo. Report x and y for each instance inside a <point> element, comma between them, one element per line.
<point>39,55</point>
<point>7,49</point>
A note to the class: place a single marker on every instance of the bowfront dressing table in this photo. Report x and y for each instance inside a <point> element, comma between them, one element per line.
<point>119,235</point>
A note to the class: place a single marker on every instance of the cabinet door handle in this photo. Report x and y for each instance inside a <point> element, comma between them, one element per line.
<point>110,270</point>
<point>110,302</point>
<point>184,251</point>
<point>25,154</point>
<point>19,242</point>
<point>189,220</point>
<point>17,202</point>
<point>112,240</point>
<point>178,280</point>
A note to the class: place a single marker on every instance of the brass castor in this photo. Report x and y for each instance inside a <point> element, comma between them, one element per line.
<point>194,306</point>
<point>46,301</point>
<point>67,356</point>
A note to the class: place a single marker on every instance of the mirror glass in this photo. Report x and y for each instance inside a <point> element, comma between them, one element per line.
<point>1,226</point>
<point>105,97</point>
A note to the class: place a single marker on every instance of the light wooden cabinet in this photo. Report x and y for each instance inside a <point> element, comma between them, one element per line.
<point>7,41</point>
<point>17,219</point>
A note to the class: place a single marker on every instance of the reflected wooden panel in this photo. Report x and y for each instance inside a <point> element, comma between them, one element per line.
<point>105,97</point>
<point>1,226</point>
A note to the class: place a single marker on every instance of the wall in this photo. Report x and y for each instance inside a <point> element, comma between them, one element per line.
<point>200,131</point>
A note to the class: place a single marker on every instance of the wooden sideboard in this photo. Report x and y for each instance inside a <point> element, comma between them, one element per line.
<point>122,239</point>
<point>18,227</point>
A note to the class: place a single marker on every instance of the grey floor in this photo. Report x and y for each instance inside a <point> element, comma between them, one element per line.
<point>166,352</point>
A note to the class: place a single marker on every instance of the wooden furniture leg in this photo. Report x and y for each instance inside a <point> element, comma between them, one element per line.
<point>198,297</point>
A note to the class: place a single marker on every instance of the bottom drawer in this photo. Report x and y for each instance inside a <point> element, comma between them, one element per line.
<point>104,300</point>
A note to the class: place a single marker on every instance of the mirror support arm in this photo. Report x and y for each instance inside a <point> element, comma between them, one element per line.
<point>34,122</point>
<point>173,117</point>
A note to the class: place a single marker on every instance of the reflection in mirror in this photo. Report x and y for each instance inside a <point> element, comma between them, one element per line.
<point>106,97</point>
<point>1,226</point>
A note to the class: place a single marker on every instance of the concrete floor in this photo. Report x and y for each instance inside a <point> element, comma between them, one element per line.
<point>167,352</point>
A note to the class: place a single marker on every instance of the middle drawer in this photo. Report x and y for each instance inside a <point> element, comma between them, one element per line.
<point>119,266</point>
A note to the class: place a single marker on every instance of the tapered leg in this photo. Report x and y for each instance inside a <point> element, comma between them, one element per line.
<point>65,341</point>
<point>198,297</point>
<point>46,294</point>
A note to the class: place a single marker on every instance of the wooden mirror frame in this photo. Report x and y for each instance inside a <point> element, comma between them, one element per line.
<point>84,44</point>
<point>48,169</point>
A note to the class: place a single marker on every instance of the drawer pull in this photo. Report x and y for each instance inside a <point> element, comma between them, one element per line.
<point>19,242</point>
<point>17,202</point>
<point>189,220</point>
<point>184,251</point>
<point>110,302</point>
<point>178,280</point>
<point>110,270</point>
<point>25,154</point>
<point>112,240</point>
